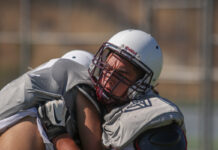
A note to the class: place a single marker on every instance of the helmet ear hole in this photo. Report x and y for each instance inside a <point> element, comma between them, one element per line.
<point>80,56</point>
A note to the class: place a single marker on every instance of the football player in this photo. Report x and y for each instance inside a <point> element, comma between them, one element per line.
<point>124,72</point>
<point>59,79</point>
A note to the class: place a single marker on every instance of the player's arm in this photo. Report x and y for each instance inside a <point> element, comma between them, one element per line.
<point>52,115</point>
<point>89,124</point>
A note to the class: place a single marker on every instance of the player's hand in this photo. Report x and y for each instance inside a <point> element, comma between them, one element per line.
<point>53,117</point>
<point>65,142</point>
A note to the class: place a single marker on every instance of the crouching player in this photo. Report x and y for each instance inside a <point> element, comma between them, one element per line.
<point>61,79</point>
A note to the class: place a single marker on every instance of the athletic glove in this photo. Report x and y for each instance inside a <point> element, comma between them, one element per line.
<point>53,115</point>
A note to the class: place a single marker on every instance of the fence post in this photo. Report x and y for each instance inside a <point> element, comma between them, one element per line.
<point>207,82</point>
<point>25,35</point>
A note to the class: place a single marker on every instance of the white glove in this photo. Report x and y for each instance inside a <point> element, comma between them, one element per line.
<point>53,117</point>
<point>55,111</point>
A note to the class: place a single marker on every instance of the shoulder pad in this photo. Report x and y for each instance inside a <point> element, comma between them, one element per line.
<point>165,138</point>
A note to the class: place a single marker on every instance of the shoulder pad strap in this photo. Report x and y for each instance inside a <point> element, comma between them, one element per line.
<point>90,94</point>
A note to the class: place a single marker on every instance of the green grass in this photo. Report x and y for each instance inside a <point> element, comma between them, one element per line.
<point>194,144</point>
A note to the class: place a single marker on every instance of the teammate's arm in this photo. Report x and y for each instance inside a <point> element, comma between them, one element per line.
<point>89,125</point>
<point>52,115</point>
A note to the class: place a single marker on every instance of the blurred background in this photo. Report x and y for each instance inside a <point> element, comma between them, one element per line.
<point>34,31</point>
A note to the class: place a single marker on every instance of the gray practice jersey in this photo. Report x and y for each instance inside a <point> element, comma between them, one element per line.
<point>124,124</point>
<point>51,81</point>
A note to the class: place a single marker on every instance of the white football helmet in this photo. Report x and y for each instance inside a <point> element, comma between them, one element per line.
<point>80,56</point>
<point>140,49</point>
<point>144,47</point>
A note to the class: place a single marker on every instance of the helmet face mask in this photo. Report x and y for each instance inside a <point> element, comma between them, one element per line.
<point>100,67</point>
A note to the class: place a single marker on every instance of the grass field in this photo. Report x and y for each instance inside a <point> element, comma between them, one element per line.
<point>193,121</point>
<point>194,144</point>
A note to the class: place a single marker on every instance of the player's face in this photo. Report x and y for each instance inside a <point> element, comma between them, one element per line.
<point>119,75</point>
